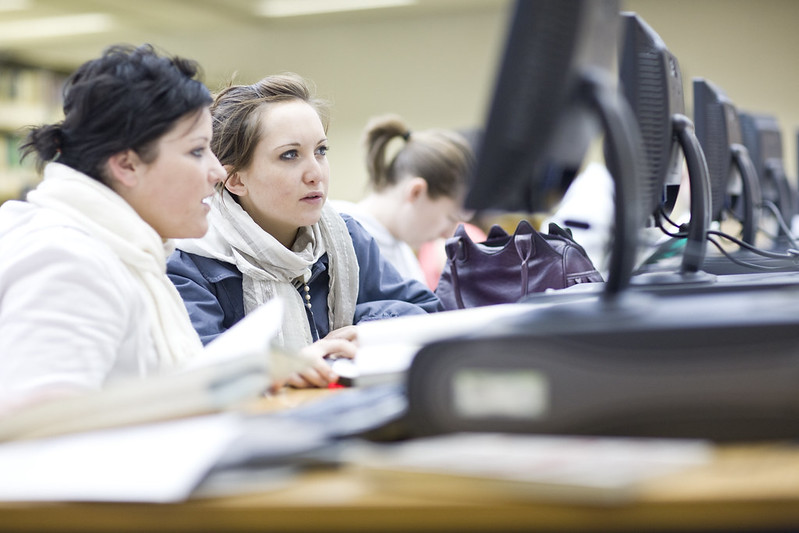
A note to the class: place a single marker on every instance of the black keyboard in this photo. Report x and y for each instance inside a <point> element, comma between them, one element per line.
<point>352,412</point>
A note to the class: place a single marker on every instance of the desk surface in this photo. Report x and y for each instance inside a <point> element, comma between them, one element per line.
<point>745,488</point>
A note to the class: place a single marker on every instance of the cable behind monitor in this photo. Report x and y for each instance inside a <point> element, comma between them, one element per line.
<point>776,212</point>
<point>791,256</point>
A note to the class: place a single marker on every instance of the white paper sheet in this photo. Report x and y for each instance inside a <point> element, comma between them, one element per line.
<point>389,346</point>
<point>149,463</point>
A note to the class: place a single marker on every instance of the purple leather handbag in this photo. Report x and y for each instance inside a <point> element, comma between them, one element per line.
<point>505,268</point>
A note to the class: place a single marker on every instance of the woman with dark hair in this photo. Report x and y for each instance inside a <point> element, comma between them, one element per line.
<point>273,236</point>
<point>84,296</point>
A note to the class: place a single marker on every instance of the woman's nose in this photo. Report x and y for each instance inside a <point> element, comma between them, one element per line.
<point>312,173</point>
<point>217,172</point>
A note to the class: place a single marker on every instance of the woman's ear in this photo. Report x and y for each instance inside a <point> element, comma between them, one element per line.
<point>123,167</point>
<point>415,189</point>
<point>236,185</point>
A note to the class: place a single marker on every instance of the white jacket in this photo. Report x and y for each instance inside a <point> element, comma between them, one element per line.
<point>71,314</point>
<point>397,252</point>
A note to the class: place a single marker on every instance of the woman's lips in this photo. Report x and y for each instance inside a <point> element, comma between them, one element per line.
<point>313,197</point>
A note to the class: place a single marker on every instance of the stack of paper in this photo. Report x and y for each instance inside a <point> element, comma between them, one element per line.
<point>236,367</point>
<point>160,462</point>
<point>506,467</point>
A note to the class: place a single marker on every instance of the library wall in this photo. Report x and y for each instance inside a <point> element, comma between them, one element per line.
<point>28,96</point>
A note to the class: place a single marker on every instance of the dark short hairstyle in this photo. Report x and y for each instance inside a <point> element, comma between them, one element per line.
<point>125,99</point>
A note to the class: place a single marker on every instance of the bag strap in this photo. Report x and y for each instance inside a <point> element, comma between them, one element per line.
<point>454,247</point>
<point>524,247</point>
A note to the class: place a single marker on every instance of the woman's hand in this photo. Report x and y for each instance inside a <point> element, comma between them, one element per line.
<point>349,333</point>
<point>318,373</point>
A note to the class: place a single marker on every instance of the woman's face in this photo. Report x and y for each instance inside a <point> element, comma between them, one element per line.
<point>425,219</point>
<point>171,191</point>
<point>285,186</point>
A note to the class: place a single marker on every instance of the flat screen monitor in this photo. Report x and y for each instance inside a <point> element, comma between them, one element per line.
<point>556,91</point>
<point>718,129</point>
<point>652,83</point>
<point>763,139</point>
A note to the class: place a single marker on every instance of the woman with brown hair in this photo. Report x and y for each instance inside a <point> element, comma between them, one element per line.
<point>274,236</point>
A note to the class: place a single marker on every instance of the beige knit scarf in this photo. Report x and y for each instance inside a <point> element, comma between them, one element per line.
<point>270,270</point>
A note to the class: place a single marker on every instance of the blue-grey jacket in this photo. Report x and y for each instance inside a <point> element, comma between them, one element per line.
<point>213,294</point>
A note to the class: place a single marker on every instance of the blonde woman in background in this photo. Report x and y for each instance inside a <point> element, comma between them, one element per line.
<point>415,193</point>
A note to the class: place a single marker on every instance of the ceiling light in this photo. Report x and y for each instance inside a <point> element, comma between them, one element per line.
<point>14,5</point>
<point>41,28</point>
<point>295,8</point>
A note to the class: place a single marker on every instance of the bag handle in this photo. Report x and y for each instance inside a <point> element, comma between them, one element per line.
<point>453,246</point>
<point>524,247</point>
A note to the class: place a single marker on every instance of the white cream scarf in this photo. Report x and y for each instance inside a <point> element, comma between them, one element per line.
<point>106,216</point>
<point>270,270</point>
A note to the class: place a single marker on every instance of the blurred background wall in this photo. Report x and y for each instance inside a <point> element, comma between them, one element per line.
<point>433,62</point>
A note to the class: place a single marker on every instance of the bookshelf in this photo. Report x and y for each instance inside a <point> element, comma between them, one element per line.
<point>29,95</point>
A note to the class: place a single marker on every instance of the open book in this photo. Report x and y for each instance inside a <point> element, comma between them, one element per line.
<point>236,367</point>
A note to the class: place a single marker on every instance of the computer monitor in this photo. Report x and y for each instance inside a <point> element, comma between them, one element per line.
<point>652,83</point>
<point>763,138</point>
<point>719,132</point>
<point>716,363</point>
<point>556,91</point>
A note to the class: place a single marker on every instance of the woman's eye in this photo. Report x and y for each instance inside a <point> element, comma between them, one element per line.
<point>198,152</point>
<point>291,154</point>
<point>322,150</point>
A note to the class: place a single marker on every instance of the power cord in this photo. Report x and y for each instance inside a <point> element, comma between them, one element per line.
<point>791,255</point>
<point>775,211</point>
